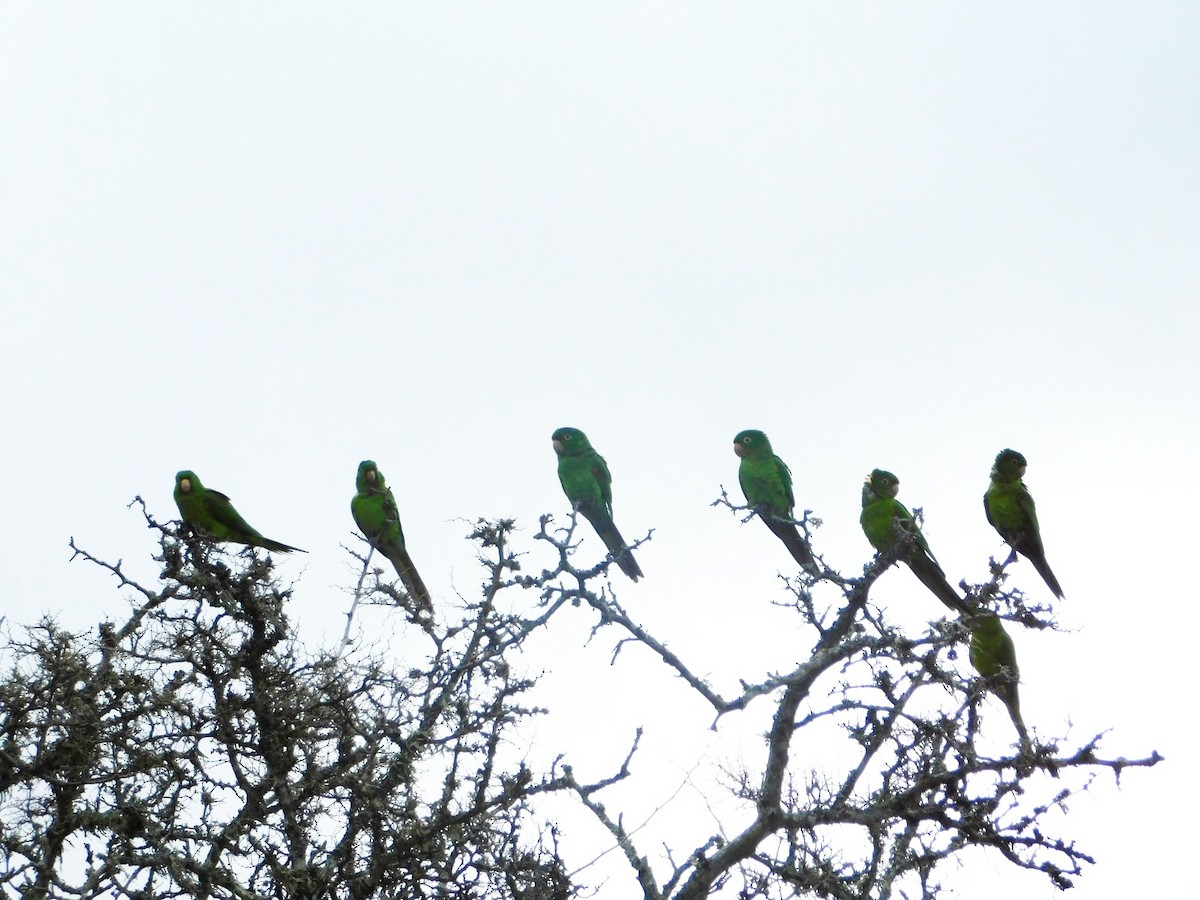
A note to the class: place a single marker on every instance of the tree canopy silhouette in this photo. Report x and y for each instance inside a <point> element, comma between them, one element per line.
<point>197,749</point>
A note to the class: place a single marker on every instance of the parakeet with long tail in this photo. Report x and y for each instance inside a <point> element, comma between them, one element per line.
<point>1010,510</point>
<point>995,658</point>
<point>213,516</point>
<point>767,483</point>
<point>375,513</point>
<point>884,519</point>
<point>588,485</point>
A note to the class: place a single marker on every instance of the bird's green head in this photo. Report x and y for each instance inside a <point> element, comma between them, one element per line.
<point>186,481</point>
<point>1009,466</point>
<point>369,477</point>
<point>750,443</point>
<point>880,484</point>
<point>570,442</point>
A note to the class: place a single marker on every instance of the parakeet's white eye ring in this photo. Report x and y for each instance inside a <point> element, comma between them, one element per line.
<point>747,439</point>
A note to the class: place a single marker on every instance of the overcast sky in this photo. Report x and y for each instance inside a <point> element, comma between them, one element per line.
<point>266,241</point>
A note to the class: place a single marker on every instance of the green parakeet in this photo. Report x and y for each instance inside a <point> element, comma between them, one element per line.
<point>884,518</point>
<point>375,512</point>
<point>995,658</point>
<point>1010,510</point>
<point>767,483</point>
<point>588,485</point>
<point>212,515</point>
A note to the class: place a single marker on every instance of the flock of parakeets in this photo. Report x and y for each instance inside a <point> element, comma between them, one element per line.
<point>767,483</point>
<point>889,526</point>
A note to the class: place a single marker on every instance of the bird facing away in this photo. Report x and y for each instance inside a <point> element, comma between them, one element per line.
<point>588,485</point>
<point>995,658</point>
<point>375,513</point>
<point>767,483</point>
<point>1010,510</point>
<point>213,516</point>
<point>883,520</point>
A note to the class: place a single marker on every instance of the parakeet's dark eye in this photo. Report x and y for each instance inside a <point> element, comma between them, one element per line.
<point>747,440</point>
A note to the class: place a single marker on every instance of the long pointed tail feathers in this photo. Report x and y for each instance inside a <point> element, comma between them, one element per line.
<point>1029,545</point>
<point>616,546</point>
<point>408,575</point>
<point>1008,694</point>
<point>933,578</point>
<point>275,546</point>
<point>1043,569</point>
<point>792,539</point>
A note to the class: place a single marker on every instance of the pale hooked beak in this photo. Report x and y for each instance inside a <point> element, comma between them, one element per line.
<point>185,484</point>
<point>738,449</point>
<point>558,447</point>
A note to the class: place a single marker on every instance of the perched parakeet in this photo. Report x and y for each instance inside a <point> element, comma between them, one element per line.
<point>1009,508</point>
<point>995,658</point>
<point>375,512</point>
<point>212,515</point>
<point>884,518</point>
<point>767,483</point>
<point>588,485</point>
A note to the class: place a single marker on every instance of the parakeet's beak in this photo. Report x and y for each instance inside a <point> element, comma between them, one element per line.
<point>185,484</point>
<point>739,449</point>
<point>371,475</point>
<point>558,447</point>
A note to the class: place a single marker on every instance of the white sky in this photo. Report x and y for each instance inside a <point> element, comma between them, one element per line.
<point>267,241</point>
